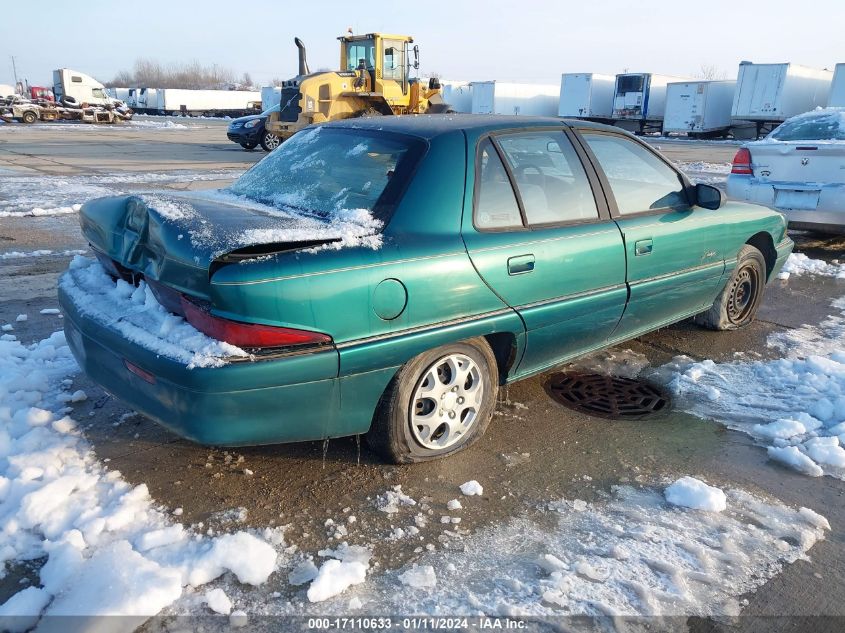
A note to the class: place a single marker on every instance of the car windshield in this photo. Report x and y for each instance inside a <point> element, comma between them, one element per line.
<point>814,126</point>
<point>325,171</point>
<point>267,112</point>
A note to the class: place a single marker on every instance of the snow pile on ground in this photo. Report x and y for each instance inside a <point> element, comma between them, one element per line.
<point>136,315</point>
<point>40,195</point>
<point>795,405</point>
<point>800,264</point>
<point>108,549</point>
<point>39,253</point>
<point>471,488</point>
<point>346,566</point>
<point>162,125</point>
<point>632,554</point>
<point>390,501</point>
<point>689,492</point>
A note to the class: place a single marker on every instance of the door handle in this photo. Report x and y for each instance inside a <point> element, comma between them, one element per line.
<point>520,264</point>
<point>643,247</point>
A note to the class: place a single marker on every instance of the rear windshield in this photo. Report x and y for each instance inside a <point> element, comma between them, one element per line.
<point>814,126</point>
<point>326,171</point>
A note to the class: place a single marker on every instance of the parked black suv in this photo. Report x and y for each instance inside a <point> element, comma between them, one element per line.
<point>248,131</point>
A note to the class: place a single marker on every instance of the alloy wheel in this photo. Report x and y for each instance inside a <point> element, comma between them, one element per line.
<point>446,402</point>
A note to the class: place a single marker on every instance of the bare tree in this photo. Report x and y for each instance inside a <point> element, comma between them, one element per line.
<point>191,75</point>
<point>710,72</point>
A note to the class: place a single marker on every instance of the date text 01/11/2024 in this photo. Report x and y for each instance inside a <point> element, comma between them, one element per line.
<point>418,623</point>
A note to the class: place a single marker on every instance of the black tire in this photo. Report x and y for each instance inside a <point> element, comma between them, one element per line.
<point>737,304</point>
<point>29,117</point>
<point>249,145</point>
<point>391,434</point>
<point>270,141</point>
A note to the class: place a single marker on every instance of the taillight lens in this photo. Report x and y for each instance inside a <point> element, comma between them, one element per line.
<point>742,162</point>
<point>249,335</point>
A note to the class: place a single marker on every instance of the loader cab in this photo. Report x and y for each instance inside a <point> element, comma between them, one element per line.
<point>385,58</point>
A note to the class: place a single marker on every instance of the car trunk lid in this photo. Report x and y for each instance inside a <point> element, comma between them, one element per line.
<point>180,240</point>
<point>811,163</point>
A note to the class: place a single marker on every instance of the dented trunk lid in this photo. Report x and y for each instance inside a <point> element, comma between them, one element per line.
<point>180,240</point>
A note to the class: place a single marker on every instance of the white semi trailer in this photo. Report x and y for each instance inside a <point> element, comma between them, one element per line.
<point>837,87</point>
<point>639,100</point>
<point>768,94</point>
<point>208,102</point>
<point>458,94</point>
<point>495,97</point>
<point>699,108</point>
<point>587,96</point>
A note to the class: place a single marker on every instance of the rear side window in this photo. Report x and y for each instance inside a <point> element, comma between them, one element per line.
<point>549,176</point>
<point>640,181</point>
<point>495,202</point>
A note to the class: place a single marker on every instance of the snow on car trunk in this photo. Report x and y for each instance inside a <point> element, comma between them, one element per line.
<point>109,550</point>
<point>136,315</point>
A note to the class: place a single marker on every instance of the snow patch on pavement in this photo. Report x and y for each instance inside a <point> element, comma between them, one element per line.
<point>795,406</point>
<point>799,264</point>
<point>136,315</point>
<point>108,549</point>
<point>41,195</point>
<point>689,492</point>
<point>632,554</point>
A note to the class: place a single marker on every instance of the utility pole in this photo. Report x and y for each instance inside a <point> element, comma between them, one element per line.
<point>14,69</point>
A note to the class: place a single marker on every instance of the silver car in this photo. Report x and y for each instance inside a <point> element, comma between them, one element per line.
<point>798,169</point>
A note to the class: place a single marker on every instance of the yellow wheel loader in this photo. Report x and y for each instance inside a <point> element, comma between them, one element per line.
<point>373,81</point>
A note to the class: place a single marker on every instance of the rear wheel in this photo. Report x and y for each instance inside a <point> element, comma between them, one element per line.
<point>439,403</point>
<point>737,304</point>
<point>270,141</point>
<point>249,145</point>
<point>29,117</point>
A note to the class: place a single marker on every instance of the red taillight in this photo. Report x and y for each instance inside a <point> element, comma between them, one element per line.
<point>742,162</point>
<point>249,335</point>
<point>143,374</point>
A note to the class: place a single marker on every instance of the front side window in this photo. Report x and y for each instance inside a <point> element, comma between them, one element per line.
<point>360,50</point>
<point>331,172</point>
<point>495,202</point>
<point>640,181</point>
<point>549,177</point>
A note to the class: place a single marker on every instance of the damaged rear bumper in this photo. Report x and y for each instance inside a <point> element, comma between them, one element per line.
<point>287,399</point>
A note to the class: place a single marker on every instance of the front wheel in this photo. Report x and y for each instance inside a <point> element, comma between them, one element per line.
<point>270,141</point>
<point>737,304</point>
<point>439,403</point>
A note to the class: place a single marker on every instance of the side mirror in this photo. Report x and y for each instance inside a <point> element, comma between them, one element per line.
<point>416,57</point>
<point>709,197</point>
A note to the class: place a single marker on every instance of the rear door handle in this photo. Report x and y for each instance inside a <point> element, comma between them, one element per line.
<point>520,264</point>
<point>643,247</point>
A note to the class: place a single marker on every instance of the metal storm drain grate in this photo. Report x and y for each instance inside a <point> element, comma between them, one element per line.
<point>606,396</point>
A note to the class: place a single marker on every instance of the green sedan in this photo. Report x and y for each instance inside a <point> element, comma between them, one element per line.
<point>386,276</point>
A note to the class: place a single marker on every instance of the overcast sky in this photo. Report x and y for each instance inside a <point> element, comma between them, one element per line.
<point>517,40</point>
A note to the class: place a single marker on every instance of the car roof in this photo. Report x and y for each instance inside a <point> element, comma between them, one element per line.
<point>429,126</point>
